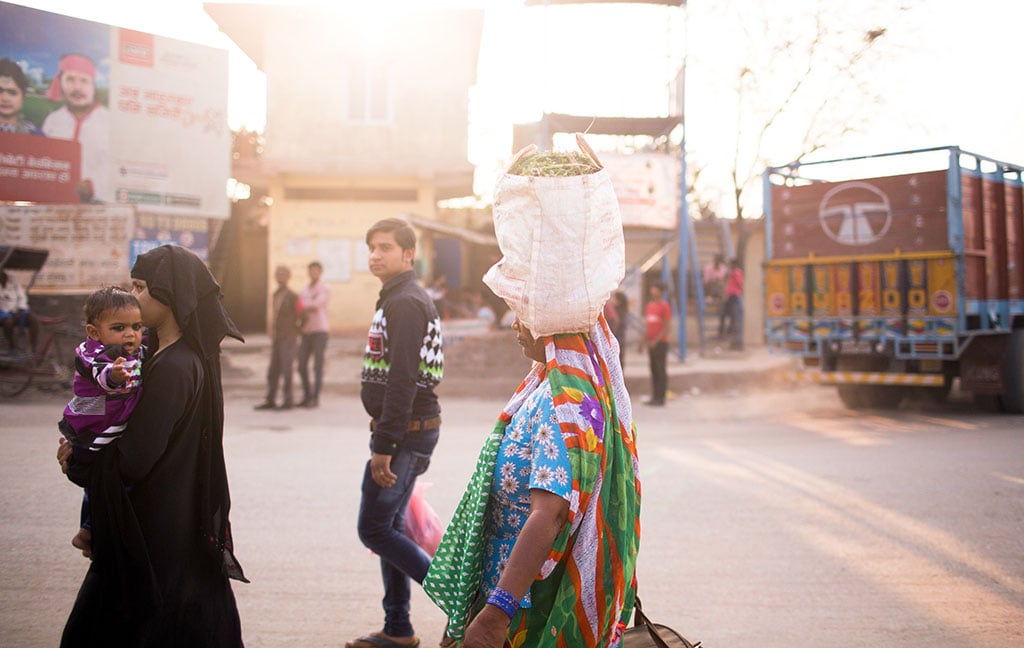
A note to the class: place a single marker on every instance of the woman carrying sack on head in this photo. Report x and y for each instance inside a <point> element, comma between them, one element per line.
<point>542,549</point>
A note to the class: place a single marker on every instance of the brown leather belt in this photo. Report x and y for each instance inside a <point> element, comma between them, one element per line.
<point>415,425</point>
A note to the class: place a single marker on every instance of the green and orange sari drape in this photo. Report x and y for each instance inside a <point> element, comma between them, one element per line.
<point>584,594</point>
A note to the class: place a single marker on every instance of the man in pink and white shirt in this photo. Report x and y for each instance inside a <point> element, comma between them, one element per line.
<point>315,327</point>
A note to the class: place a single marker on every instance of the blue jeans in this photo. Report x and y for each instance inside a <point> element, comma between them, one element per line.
<point>382,528</point>
<point>312,344</point>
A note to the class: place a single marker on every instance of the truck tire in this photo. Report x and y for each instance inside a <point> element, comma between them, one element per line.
<point>867,396</point>
<point>938,394</point>
<point>882,397</point>
<point>853,396</point>
<point>1012,398</point>
<point>871,396</point>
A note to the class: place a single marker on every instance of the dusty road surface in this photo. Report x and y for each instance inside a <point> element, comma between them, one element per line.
<point>776,518</point>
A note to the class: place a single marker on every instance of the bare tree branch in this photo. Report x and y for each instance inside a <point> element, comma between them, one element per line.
<point>824,92</point>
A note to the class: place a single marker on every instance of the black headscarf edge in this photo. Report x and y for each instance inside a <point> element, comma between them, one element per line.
<point>178,278</point>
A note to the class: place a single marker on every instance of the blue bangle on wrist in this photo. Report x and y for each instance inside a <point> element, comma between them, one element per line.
<point>504,601</point>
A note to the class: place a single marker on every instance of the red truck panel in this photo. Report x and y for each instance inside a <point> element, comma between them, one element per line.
<point>907,278</point>
<point>974,238</point>
<point>861,217</point>
<point>993,233</point>
<point>1015,239</point>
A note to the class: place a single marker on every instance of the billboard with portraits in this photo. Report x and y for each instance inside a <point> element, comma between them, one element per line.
<point>91,113</point>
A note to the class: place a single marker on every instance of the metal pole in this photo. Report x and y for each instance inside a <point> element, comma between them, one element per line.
<point>684,212</point>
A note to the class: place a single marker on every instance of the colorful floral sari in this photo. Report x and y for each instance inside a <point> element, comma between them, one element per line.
<point>586,586</point>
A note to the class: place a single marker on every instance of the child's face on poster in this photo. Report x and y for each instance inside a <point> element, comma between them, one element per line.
<point>11,98</point>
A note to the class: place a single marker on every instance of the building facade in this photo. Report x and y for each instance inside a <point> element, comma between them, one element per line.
<point>367,118</point>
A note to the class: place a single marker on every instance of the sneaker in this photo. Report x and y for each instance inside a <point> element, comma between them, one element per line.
<point>310,403</point>
<point>284,406</point>
<point>265,405</point>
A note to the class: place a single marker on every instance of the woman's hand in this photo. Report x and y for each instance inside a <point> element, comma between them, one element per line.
<point>63,454</point>
<point>548,514</point>
<point>487,630</point>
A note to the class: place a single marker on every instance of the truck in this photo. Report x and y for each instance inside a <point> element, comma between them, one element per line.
<point>898,271</point>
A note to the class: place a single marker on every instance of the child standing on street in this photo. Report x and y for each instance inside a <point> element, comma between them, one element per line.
<point>108,381</point>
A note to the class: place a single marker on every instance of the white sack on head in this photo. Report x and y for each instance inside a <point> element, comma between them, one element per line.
<point>562,246</point>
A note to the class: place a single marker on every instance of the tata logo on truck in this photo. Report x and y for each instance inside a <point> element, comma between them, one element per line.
<point>855,214</point>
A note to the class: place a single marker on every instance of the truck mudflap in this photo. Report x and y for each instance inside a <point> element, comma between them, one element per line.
<point>868,378</point>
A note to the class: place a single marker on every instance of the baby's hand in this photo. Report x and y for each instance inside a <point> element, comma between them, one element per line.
<point>118,372</point>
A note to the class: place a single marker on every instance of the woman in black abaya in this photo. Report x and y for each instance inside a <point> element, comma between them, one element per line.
<point>162,551</point>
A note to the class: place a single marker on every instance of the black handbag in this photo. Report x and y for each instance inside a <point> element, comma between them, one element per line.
<point>647,634</point>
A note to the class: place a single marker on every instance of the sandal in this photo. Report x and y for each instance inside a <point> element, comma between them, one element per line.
<point>447,641</point>
<point>381,640</point>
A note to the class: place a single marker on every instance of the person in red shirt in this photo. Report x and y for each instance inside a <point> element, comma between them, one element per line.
<point>658,318</point>
<point>730,324</point>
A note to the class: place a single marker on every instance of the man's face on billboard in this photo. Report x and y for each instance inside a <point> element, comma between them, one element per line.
<point>10,98</point>
<point>78,89</point>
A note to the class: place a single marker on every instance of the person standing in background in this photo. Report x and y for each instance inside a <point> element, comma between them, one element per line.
<point>714,275</point>
<point>730,325</point>
<point>616,311</point>
<point>438,292</point>
<point>315,327</point>
<point>14,311</point>
<point>658,319</point>
<point>480,309</point>
<point>287,310</point>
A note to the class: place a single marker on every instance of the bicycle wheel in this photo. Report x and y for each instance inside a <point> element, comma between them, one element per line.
<point>15,376</point>
<point>56,369</point>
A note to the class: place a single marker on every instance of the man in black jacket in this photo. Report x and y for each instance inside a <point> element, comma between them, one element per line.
<point>403,363</point>
<point>287,310</point>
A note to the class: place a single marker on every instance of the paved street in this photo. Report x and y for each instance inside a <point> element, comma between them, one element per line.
<point>777,518</point>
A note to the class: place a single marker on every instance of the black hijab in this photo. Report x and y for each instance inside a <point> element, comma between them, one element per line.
<point>179,279</point>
